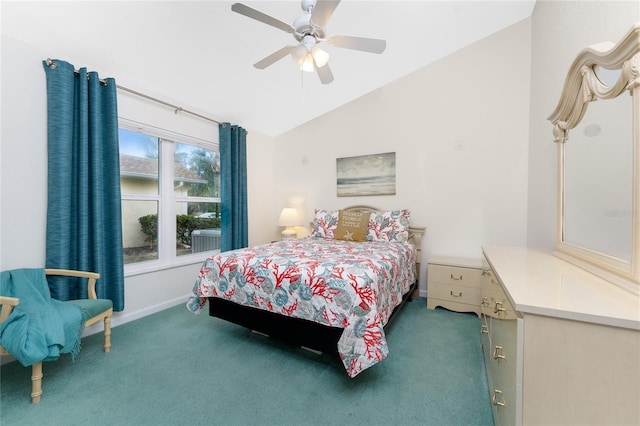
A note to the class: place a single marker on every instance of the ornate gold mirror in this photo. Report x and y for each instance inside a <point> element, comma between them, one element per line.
<point>598,220</point>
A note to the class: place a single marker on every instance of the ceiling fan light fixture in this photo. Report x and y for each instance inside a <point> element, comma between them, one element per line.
<point>307,64</point>
<point>299,53</point>
<point>320,56</point>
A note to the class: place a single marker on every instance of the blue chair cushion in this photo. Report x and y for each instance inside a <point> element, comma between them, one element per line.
<point>92,307</point>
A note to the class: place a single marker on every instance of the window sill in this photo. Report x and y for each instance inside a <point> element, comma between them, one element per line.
<point>152,266</point>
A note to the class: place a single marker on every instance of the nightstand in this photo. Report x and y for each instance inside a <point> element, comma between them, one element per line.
<point>454,284</point>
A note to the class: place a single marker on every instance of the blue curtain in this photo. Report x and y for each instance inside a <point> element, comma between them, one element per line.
<point>84,223</point>
<point>233,186</point>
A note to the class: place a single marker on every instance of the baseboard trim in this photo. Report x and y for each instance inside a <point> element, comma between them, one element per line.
<point>123,318</point>
<point>119,319</point>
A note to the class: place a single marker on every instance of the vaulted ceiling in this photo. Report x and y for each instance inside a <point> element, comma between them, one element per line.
<point>200,54</point>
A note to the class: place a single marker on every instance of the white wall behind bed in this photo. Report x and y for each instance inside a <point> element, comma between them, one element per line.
<point>460,130</point>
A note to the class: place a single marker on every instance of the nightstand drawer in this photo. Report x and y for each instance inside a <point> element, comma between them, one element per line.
<point>454,275</point>
<point>453,293</point>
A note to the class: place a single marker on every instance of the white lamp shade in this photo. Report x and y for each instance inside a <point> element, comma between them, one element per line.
<point>298,54</point>
<point>289,217</point>
<point>320,56</point>
<point>307,63</point>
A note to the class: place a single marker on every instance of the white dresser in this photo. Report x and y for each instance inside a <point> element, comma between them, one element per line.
<point>561,346</point>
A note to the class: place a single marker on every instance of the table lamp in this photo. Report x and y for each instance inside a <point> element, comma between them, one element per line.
<point>289,218</point>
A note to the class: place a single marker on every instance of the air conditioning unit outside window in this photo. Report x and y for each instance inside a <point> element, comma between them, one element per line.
<point>205,240</point>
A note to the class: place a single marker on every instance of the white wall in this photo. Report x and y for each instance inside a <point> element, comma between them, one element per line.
<point>561,29</point>
<point>260,166</point>
<point>23,175</point>
<point>23,157</point>
<point>459,128</point>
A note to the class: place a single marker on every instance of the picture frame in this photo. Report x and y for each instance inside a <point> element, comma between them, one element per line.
<point>373,174</point>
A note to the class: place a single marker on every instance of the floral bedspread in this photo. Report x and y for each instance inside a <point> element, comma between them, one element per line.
<point>342,284</point>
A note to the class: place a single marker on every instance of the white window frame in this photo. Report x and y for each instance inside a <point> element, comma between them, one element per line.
<point>166,199</point>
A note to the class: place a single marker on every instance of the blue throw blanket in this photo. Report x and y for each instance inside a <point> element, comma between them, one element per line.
<point>40,328</point>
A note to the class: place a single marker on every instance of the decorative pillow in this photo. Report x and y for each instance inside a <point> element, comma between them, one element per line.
<point>324,223</point>
<point>352,226</point>
<point>389,226</point>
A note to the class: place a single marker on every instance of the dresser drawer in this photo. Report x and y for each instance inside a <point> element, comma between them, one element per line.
<point>504,347</point>
<point>503,370</point>
<point>500,308</point>
<point>485,340</point>
<point>495,300</point>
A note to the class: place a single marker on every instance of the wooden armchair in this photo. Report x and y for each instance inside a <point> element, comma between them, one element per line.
<point>98,309</point>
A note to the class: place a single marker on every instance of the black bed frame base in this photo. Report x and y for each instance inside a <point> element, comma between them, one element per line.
<point>295,331</point>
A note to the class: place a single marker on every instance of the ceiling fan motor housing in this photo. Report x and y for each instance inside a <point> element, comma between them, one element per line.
<point>302,24</point>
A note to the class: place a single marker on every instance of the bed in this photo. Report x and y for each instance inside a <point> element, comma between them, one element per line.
<point>325,292</point>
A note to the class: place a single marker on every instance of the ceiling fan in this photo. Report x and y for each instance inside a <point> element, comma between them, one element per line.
<point>309,31</point>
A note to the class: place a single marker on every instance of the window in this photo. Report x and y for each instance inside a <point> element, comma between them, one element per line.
<point>170,186</point>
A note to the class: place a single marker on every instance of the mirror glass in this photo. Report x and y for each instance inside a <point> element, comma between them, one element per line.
<point>598,179</point>
<point>606,76</point>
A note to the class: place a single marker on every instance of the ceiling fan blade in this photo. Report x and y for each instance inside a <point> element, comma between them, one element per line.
<point>372,45</point>
<point>322,11</point>
<point>274,57</point>
<point>324,72</point>
<point>259,16</point>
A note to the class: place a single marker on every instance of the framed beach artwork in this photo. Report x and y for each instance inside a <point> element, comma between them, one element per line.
<point>366,175</point>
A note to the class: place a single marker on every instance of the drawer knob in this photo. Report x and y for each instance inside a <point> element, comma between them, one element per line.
<point>497,399</point>
<point>456,278</point>
<point>498,353</point>
<point>484,329</point>
<point>456,294</point>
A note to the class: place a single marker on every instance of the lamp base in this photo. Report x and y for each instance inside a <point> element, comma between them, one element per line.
<point>289,234</point>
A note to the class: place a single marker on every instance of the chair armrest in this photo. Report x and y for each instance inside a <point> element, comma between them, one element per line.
<point>7,304</point>
<point>91,278</point>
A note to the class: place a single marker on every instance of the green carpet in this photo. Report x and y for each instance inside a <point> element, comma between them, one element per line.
<point>176,368</point>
